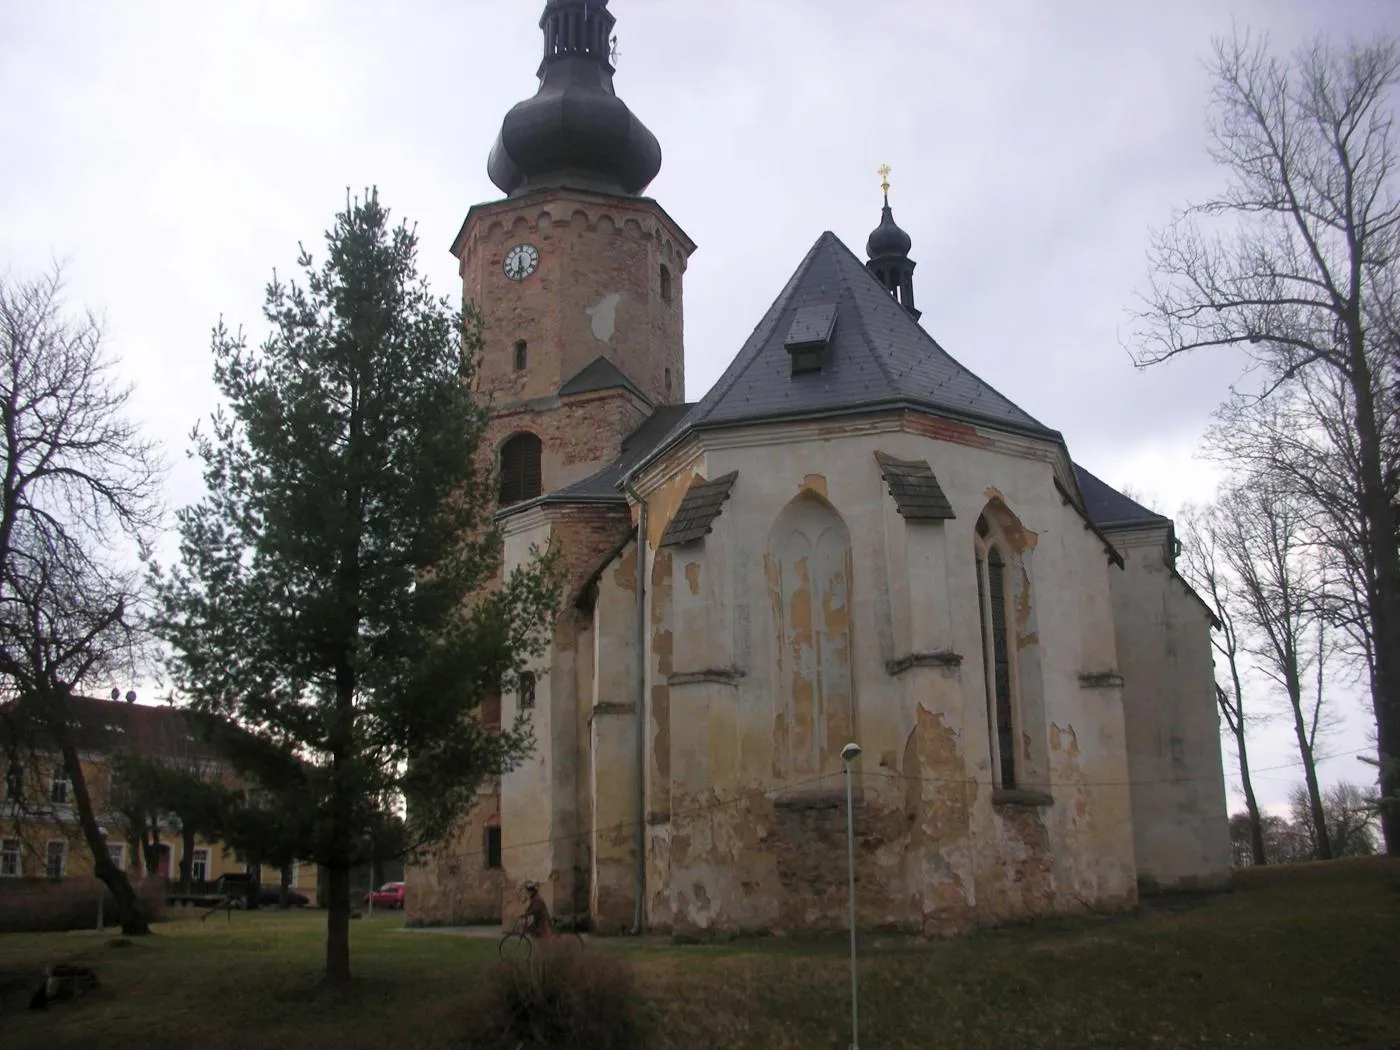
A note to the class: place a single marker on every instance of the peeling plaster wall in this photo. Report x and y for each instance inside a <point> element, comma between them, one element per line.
<point>545,800</point>
<point>612,722</point>
<point>1173,726</point>
<point>453,886</point>
<point>737,840</point>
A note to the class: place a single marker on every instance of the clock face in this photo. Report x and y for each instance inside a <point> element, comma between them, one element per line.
<point>521,261</point>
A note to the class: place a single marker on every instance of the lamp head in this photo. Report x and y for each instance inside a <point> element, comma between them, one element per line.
<point>850,752</point>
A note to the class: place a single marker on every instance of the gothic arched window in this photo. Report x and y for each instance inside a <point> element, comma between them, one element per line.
<point>996,659</point>
<point>810,552</point>
<point>665,283</point>
<point>520,469</point>
<point>521,351</point>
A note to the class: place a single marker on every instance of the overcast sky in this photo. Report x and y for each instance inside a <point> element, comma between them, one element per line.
<point>172,154</point>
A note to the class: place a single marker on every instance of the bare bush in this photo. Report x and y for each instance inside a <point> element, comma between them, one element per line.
<point>564,999</point>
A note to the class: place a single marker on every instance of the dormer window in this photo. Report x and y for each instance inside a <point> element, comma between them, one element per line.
<point>521,355</point>
<point>808,337</point>
<point>665,283</point>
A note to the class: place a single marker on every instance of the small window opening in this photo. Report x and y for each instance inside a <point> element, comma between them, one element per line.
<point>527,691</point>
<point>668,381</point>
<point>665,283</point>
<point>520,469</point>
<point>521,351</point>
<point>493,847</point>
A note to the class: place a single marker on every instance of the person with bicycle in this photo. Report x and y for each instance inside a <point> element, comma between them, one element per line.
<point>536,917</point>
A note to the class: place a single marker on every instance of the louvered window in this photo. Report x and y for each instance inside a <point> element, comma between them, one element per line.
<point>520,469</point>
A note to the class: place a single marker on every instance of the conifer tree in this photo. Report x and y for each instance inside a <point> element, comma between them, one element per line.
<point>339,595</point>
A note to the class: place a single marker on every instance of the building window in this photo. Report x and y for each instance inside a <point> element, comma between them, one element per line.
<point>527,690</point>
<point>117,852</point>
<point>668,382</point>
<point>521,478</point>
<point>493,847</point>
<point>59,787</point>
<point>14,782</point>
<point>199,865</point>
<point>10,866</point>
<point>521,354</point>
<point>665,283</point>
<point>998,672</point>
<point>55,859</point>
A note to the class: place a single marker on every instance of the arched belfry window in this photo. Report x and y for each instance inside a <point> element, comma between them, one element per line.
<point>521,478</point>
<point>665,283</point>
<point>1000,676</point>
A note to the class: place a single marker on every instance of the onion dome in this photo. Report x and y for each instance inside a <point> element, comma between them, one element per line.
<point>887,239</point>
<point>575,131</point>
<point>888,253</point>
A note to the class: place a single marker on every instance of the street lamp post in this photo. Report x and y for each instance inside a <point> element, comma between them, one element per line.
<point>849,754</point>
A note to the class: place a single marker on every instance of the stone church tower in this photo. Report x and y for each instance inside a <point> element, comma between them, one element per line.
<point>579,278</point>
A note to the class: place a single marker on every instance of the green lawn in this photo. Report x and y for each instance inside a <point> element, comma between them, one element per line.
<point>1298,957</point>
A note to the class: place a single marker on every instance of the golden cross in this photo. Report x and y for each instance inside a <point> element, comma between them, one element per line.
<point>884,173</point>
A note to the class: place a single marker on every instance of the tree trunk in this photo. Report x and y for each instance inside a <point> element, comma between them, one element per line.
<point>286,886</point>
<point>131,913</point>
<point>186,857</point>
<point>1256,826</point>
<point>338,923</point>
<point>1305,752</point>
<point>1382,556</point>
<point>151,850</point>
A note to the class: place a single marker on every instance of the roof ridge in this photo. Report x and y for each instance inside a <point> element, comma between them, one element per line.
<point>752,346</point>
<point>869,342</point>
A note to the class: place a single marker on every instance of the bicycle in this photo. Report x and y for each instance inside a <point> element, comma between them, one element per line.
<point>517,945</point>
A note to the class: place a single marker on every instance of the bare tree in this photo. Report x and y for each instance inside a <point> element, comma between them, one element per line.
<point>1204,567</point>
<point>1263,539</point>
<point>1304,437</point>
<point>1295,265</point>
<point>1350,817</point>
<point>77,495</point>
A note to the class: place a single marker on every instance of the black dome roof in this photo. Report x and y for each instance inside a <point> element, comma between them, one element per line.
<point>575,131</point>
<point>887,239</point>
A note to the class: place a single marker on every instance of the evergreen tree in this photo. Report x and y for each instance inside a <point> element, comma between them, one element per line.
<point>339,595</point>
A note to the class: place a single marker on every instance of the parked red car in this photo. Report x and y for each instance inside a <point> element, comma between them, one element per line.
<point>390,895</point>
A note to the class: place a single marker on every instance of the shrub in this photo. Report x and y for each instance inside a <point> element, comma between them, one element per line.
<point>36,905</point>
<point>565,998</point>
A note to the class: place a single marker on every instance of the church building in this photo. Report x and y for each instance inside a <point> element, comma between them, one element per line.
<point>850,538</point>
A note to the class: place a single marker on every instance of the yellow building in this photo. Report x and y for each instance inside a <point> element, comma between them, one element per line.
<point>40,835</point>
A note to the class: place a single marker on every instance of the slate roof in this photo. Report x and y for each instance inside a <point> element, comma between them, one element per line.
<point>1110,509</point>
<point>698,510</point>
<point>877,357</point>
<point>600,374</point>
<point>917,494</point>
